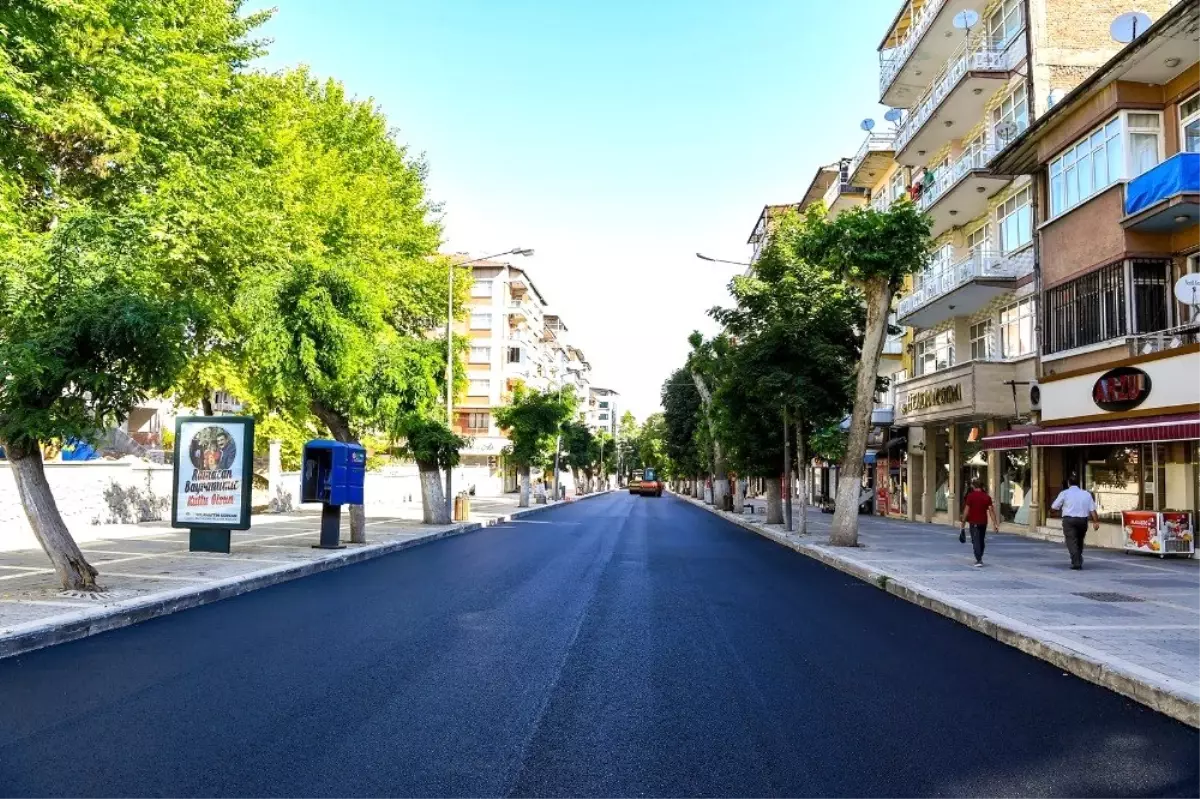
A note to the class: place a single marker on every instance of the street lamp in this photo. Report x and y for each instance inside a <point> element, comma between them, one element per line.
<point>450,356</point>
<point>704,257</point>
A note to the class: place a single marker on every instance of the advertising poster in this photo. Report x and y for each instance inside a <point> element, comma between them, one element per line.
<point>214,460</point>
<point>1141,530</point>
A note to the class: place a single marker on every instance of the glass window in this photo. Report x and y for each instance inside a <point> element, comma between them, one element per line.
<point>1015,109</point>
<point>479,420</point>
<point>1145,136</point>
<point>934,353</point>
<point>604,404</point>
<point>980,240</point>
<point>1086,310</point>
<point>481,354</point>
<point>479,387</point>
<point>481,321</point>
<point>981,341</point>
<point>514,355</point>
<point>896,186</point>
<point>1189,122</point>
<point>1098,160</point>
<point>1015,220</point>
<point>481,288</point>
<point>1016,329</point>
<point>1150,293</point>
<point>1005,22</point>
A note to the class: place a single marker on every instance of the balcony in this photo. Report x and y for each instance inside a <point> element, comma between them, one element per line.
<point>967,390</point>
<point>960,191</point>
<point>927,38</point>
<point>1167,198</point>
<point>881,202</point>
<point>956,99</point>
<point>842,196</point>
<point>1176,337</point>
<point>893,346</point>
<point>871,160</point>
<point>963,288</point>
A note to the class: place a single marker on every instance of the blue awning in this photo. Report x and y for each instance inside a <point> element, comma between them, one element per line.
<point>1179,174</point>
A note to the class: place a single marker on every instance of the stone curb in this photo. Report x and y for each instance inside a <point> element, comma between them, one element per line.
<point>70,627</point>
<point>1170,697</point>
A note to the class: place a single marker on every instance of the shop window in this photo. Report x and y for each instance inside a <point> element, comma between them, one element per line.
<point>1087,310</point>
<point>1160,476</point>
<point>1189,124</point>
<point>1015,486</point>
<point>1150,296</point>
<point>1014,218</point>
<point>1016,329</point>
<point>981,341</point>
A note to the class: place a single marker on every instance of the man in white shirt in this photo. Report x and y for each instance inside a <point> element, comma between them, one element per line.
<point>1077,507</point>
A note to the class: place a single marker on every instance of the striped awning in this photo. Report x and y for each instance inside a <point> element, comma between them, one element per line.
<point>1017,438</point>
<point>1176,427</point>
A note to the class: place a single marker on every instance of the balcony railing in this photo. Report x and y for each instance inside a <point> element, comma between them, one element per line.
<point>941,279</point>
<point>897,57</point>
<point>945,179</point>
<point>1149,343</point>
<point>873,143</point>
<point>975,54</point>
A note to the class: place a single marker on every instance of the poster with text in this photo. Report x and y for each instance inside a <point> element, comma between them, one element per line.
<point>214,458</point>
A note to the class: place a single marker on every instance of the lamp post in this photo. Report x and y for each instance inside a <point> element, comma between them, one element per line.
<point>704,257</point>
<point>450,357</point>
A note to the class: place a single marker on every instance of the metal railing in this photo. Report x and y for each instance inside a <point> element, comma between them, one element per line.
<point>873,143</point>
<point>975,54</point>
<point>946,178</point>
<point>940,279</point>
<point>897,57</point>
<point>1149,343</point>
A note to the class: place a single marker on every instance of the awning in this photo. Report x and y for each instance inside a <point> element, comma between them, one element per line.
<point>1177,427</point>
<point>1017,438</point>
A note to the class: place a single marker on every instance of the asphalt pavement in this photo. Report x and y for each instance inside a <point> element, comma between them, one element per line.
<point>622,646</point>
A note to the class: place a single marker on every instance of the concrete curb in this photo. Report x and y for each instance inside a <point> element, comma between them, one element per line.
<point>70,627</point>
<point>1170,697</point>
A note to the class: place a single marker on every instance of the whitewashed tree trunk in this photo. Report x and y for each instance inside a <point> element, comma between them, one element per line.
<point>774,501</point>
<point>802,466</point>
<point>47,523</point>
<point>843,530</point>
<point>523,501</point>
<point>698,487</point>
<point>787,471</point>
<point>433,499</point>
<point>739,497</point>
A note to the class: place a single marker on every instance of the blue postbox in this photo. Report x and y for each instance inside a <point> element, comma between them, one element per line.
<point>333,474</point>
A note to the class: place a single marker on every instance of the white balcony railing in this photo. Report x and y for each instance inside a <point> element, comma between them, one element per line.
<point>940,279</point>
<point>873,143</point>
<point>976,54</point>
<point>945,179</point>
<point>881,202</point>
<point>891,64</point>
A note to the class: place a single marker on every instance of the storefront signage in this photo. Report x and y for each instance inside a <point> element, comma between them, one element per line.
<point>932,397</point>
<point>214,462</point>
<point>1121,389</point>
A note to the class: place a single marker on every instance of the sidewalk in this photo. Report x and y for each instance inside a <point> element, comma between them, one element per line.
<point>147,571</point>
<point>1128,622</point>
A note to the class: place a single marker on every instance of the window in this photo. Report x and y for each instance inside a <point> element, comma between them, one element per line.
<point>1122,148</point>
<point>603,417</point>
<point>1015,109</point>
<point>481,321</point>
<point>1087,310</point>
<point>934,353</point>
<point>1145,140</point>
<point>981,341</point>
<point>481,354</point>
<point>604,404</point>
<point>1189,123</point>
<point>481,288</point>
<point>1151,289</point>
<point>479,420</point>
<point>979,241</point>
<point>1015,220</point>
<point>1016,329</point>
<point>896,186</point>
<point>1005,22</point>
<point>479,388</point>
<point>514,355</point>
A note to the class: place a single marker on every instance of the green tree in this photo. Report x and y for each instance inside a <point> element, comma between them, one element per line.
<point>532,420</point>
<point>652,445</point>
<point>580,453</point>
<point>682,412</point>
<point>118,116</point>
<point>874,251</point>
<point>706,363</point>
<point>434,446</point>
<point>628,433</point>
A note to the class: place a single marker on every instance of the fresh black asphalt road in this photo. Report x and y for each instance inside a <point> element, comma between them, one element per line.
<point>621,646</point>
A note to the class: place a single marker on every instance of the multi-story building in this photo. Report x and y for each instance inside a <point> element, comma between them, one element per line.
<point>1116,176</point>
<point>968,83</point>
<point>602,413</point>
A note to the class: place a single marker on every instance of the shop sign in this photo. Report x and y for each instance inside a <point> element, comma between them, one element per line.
<point>931,398</point>
<point>1141,530</point>
<point>1121,389</point>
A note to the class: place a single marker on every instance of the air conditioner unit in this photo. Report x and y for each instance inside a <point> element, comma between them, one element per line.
<point>1035,396</point>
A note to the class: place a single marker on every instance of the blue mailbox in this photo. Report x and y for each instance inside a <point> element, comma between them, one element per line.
<point>333,474</point>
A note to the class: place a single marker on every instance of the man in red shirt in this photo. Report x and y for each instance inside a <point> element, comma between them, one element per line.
<point>977,506</point>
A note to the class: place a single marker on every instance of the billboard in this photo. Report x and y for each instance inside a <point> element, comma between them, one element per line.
<point>214,470</point>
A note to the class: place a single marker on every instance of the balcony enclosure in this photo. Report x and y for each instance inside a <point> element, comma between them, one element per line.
<point>841,194</point>
<point>922,39</point>
<point>960,190</point>
<point>872,159</point>
<point>947,288</point>
<point>1165,199</point>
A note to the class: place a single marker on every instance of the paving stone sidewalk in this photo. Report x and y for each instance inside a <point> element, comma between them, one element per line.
<point>146,569</point>
<point>1133,621</point>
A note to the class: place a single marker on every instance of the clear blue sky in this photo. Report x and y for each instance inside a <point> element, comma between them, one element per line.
<point>616,138</point>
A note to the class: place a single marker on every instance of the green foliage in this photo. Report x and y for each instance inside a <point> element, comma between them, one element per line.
<point>652,445</point>
<point>532,421</point>
<point>430,442</point>
<point>829,443</point>
<point>683,414</point>
<point>867,246</point>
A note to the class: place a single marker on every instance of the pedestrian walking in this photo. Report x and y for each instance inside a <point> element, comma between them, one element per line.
<point>977,507</point>
<point>1077,506</point>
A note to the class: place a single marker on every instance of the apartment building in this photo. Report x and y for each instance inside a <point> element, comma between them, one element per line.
<point>1115,166</point>
<point>968,79</point>
<point>602,410</point>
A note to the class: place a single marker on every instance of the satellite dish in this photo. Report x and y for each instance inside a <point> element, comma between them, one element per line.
<point>1006,130</point>
<point>1187,289</point>
<point>867,125</point>
<point>1129,26</point>
<point>965,20</point>
<point>893,115</point>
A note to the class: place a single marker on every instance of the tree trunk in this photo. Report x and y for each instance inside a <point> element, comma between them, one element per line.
<point>843,530</point>
<point>698,488</point>
<point>339,428</point>
<point>433,499</point>
<point>774,502</point>
<point>206,403</point>
<point>523,476</point>
<point>787,471</point>
<point>72,569</point>
<point>720,478</point>
<point>739,497</point>
<point>802,466</point>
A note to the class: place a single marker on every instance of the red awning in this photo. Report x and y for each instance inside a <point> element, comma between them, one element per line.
<point>1017,438</point>
<point>1178,427</point>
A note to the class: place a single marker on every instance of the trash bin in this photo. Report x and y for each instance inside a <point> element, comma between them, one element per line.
<point>462,507</point>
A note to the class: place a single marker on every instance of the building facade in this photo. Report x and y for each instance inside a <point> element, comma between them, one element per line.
<point>603,410</point>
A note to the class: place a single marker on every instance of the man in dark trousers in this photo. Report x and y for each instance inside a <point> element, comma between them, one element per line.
<point>977,507</point>
<point>1077,507</point>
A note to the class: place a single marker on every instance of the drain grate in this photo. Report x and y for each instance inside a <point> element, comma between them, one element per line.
<point>95,596</point>
<point>1109,596</point>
